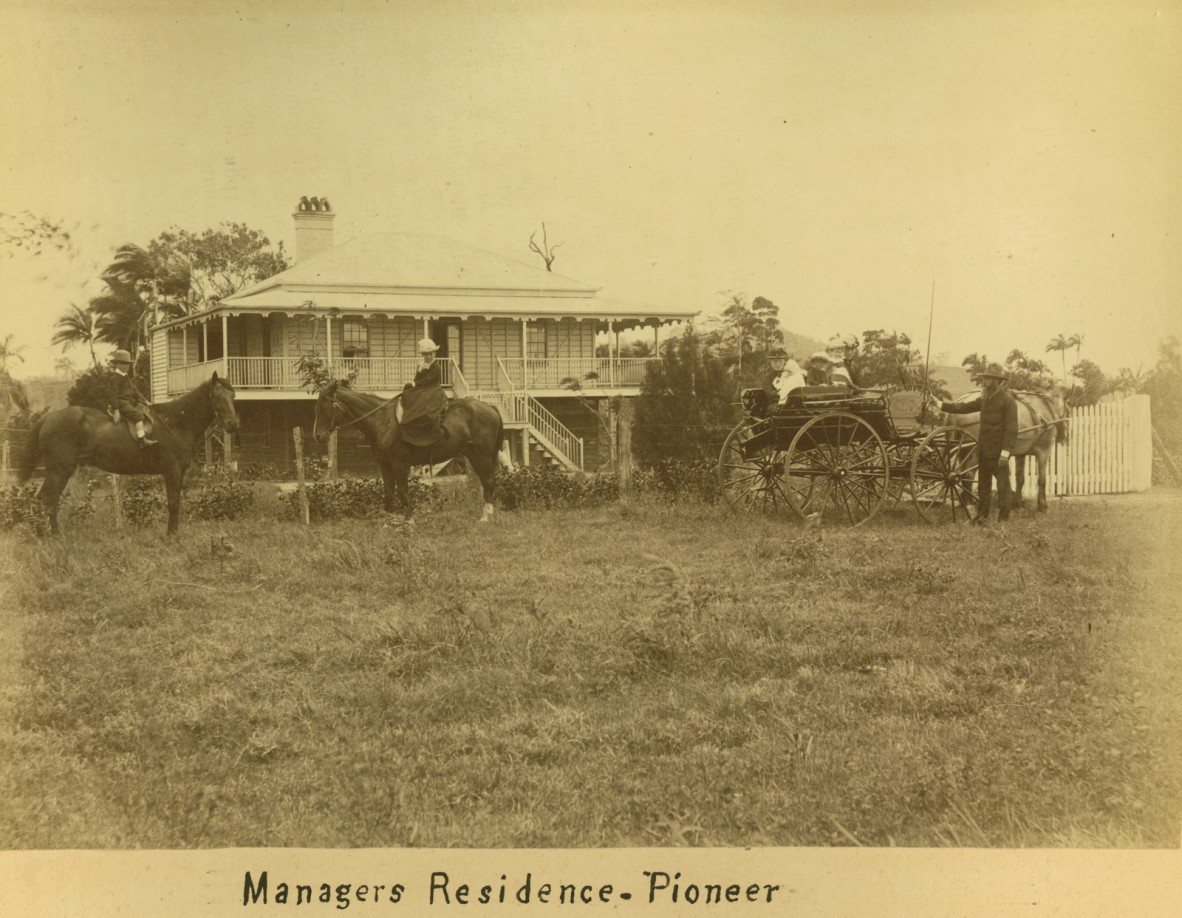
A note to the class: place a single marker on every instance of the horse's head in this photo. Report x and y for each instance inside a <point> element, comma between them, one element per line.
<point>221,397</point>
<point>328,413</point>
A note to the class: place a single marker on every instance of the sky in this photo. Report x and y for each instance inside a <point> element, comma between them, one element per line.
<point>1009,170</point>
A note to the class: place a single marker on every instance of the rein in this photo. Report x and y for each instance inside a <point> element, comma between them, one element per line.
<point>360,417</point>
<point>159,417</point>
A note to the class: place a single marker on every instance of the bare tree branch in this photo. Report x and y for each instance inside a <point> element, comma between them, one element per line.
<point>547,250</point>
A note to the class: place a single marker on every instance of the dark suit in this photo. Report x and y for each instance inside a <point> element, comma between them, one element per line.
<point>127,398</point>
<point>998,432</point>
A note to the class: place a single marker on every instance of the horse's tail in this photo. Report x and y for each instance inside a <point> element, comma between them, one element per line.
<point>502,458</point>
<point>32,452</point>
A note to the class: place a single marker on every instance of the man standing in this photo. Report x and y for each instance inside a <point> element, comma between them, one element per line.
<point>126,398</point>
<point>996,438</point>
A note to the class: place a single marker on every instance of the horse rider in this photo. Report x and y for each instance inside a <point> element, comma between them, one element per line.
<point>841,350</point>
<point>126,399</point>
<point>424,401</point>
<point>996,438</point>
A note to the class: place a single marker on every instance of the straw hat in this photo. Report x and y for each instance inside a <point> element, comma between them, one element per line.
<point>121,356</point>
<point>427,345</point>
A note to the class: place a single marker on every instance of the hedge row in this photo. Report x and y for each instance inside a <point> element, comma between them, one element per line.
<point>223,497</point>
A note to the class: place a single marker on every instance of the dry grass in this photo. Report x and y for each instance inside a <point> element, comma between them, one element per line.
<point>637,675</point>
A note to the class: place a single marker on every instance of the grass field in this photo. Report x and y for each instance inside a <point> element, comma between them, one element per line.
<point>641,675</point>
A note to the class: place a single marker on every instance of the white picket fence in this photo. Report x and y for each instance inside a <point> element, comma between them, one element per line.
<point>1109,450</point>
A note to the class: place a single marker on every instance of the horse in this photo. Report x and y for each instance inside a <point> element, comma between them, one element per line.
<point>1040,417</point>
<point>69,437</point>
<point>472,428</point>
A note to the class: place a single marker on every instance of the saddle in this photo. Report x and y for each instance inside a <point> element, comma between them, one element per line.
<point>116,417</point>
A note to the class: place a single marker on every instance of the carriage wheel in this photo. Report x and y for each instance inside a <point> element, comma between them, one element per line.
<point>837,467</point>
<point>944,475</point>
<point>751,483</point>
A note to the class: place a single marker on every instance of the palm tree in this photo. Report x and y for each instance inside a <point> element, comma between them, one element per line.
<point>141,288</point>
<point>1061,344</point>
<point>1076,341</point>
<point>12,391</point>
<point>77,326</point>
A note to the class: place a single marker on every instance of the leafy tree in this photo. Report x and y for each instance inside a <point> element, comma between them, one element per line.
<point>140,288</point>
<point>1028,373</point>
<point>1164,388</point>
<point>93,386</point>
<point>743,330</point>
<point>1092,385</point>
<point>177,274</point>
<point>1129,382</point>
<point>218,262</point>
<point>887,360</point>
<point>687,403</point>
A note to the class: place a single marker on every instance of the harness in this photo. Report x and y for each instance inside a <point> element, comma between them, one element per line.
<point>333,425</point>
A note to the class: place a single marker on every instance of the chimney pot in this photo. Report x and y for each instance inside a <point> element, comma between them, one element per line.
<point>313,227</point>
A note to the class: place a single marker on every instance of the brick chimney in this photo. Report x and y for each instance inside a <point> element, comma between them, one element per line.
<point>313,227</point>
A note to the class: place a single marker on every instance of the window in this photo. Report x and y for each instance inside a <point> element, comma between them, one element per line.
<point>354,338</point>
<point>535,340</point>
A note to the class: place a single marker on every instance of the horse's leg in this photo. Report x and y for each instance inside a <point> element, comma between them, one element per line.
<point>402,484</point>
<point>387,469</point>
<point>172,488</point>
<point>50,495</point>
<point>485,468</point>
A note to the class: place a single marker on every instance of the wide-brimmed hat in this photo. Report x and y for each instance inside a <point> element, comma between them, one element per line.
<point>821,355</point>
<point>121,356</point>
<point>993,370</point>
<point>777,353</point>
<point>426,344</point>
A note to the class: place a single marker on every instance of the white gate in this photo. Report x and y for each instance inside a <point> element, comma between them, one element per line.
<point>1109,450</point>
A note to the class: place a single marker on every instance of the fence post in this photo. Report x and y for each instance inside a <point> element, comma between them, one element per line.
<point>4,461</point>
<point>301,494</point>
<point>624,449</point>
<point>117,496</point>
<point>332,455</point>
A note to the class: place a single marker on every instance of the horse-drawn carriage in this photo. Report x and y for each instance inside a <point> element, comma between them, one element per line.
<point>838,454</point>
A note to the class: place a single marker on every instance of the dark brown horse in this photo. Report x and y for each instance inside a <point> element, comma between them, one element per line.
<point>472,429</point>
<point>74,436</point>
<point>1042,419</point>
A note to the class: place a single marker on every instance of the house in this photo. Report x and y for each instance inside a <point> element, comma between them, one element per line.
<point>508,332</point>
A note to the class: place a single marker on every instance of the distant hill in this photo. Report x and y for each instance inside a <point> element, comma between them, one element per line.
<point>801,347</point>
<point>47,391</point>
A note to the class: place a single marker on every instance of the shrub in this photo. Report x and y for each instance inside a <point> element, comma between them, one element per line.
<point>548,489</point>
<point>225,500</point>
<point>19,508</point>
<point>355,498</point>
<point>143,500</point>
<point>680,480</point>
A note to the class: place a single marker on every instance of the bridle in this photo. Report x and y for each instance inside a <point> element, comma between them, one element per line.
<point>213,402</point>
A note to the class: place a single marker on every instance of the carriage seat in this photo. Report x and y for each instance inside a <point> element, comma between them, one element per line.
<point>905,407</point>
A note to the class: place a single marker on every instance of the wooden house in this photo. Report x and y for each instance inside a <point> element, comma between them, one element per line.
<point>508,332</point>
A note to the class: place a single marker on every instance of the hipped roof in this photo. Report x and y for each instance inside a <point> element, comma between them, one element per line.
<point>425,276</point>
